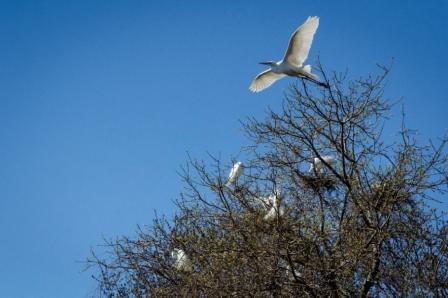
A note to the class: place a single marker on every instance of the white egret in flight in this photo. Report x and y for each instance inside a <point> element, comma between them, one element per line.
<point>235,173</point>
<point>181,260</point>
<point>292,63</point>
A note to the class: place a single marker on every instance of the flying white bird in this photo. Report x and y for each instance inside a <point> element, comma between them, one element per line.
<point>181,260</point>
<point>235,173</point>
<point>292,63</point>
<point>317,164</point>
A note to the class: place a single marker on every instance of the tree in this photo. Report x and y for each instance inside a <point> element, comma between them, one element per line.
<point>361,226</point>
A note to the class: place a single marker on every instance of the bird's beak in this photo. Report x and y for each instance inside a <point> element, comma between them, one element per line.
<point>264,63</point>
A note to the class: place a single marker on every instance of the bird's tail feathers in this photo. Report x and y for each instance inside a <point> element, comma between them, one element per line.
<point>314,77</point>
<point>307,68</point>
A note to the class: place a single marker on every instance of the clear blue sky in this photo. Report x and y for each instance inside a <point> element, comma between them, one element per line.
<point>101,100</point>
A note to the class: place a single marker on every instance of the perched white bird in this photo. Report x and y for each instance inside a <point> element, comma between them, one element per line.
<point>290,273</point>
<point>318,165</point>
<point>272,205</point>
<point>181,260</point>
<point>272,213</point>
<point>265,202</point>
<point>292,63</point>
<point>235,173</point>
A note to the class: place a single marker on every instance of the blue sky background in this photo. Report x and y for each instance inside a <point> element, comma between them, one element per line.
<point>101,100</point>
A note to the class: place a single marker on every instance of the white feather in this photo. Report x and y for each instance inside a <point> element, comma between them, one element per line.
<point>300,42</point>
<point>307,68</point>
<point>264,79</point>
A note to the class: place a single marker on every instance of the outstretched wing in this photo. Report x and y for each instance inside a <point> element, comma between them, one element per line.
<point>264,80</point>
<point>300,42</point>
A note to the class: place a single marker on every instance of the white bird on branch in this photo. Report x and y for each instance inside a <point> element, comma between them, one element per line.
<point>181,260</point>
<point>235,173</point>
<point>292,275</point>
<point>272,205</point>
<point>318,164</point>
<point>292,63</point>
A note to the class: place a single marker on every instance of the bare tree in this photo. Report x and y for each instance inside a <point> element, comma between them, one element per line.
<point>359,224</point>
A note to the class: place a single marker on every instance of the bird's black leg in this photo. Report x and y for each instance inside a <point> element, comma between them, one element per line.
<point>317,82</point>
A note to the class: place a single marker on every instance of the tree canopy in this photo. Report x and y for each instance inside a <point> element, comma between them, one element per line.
<point>360,222</point>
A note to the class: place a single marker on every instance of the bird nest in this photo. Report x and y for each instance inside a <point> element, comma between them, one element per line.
<point>319,182</point>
